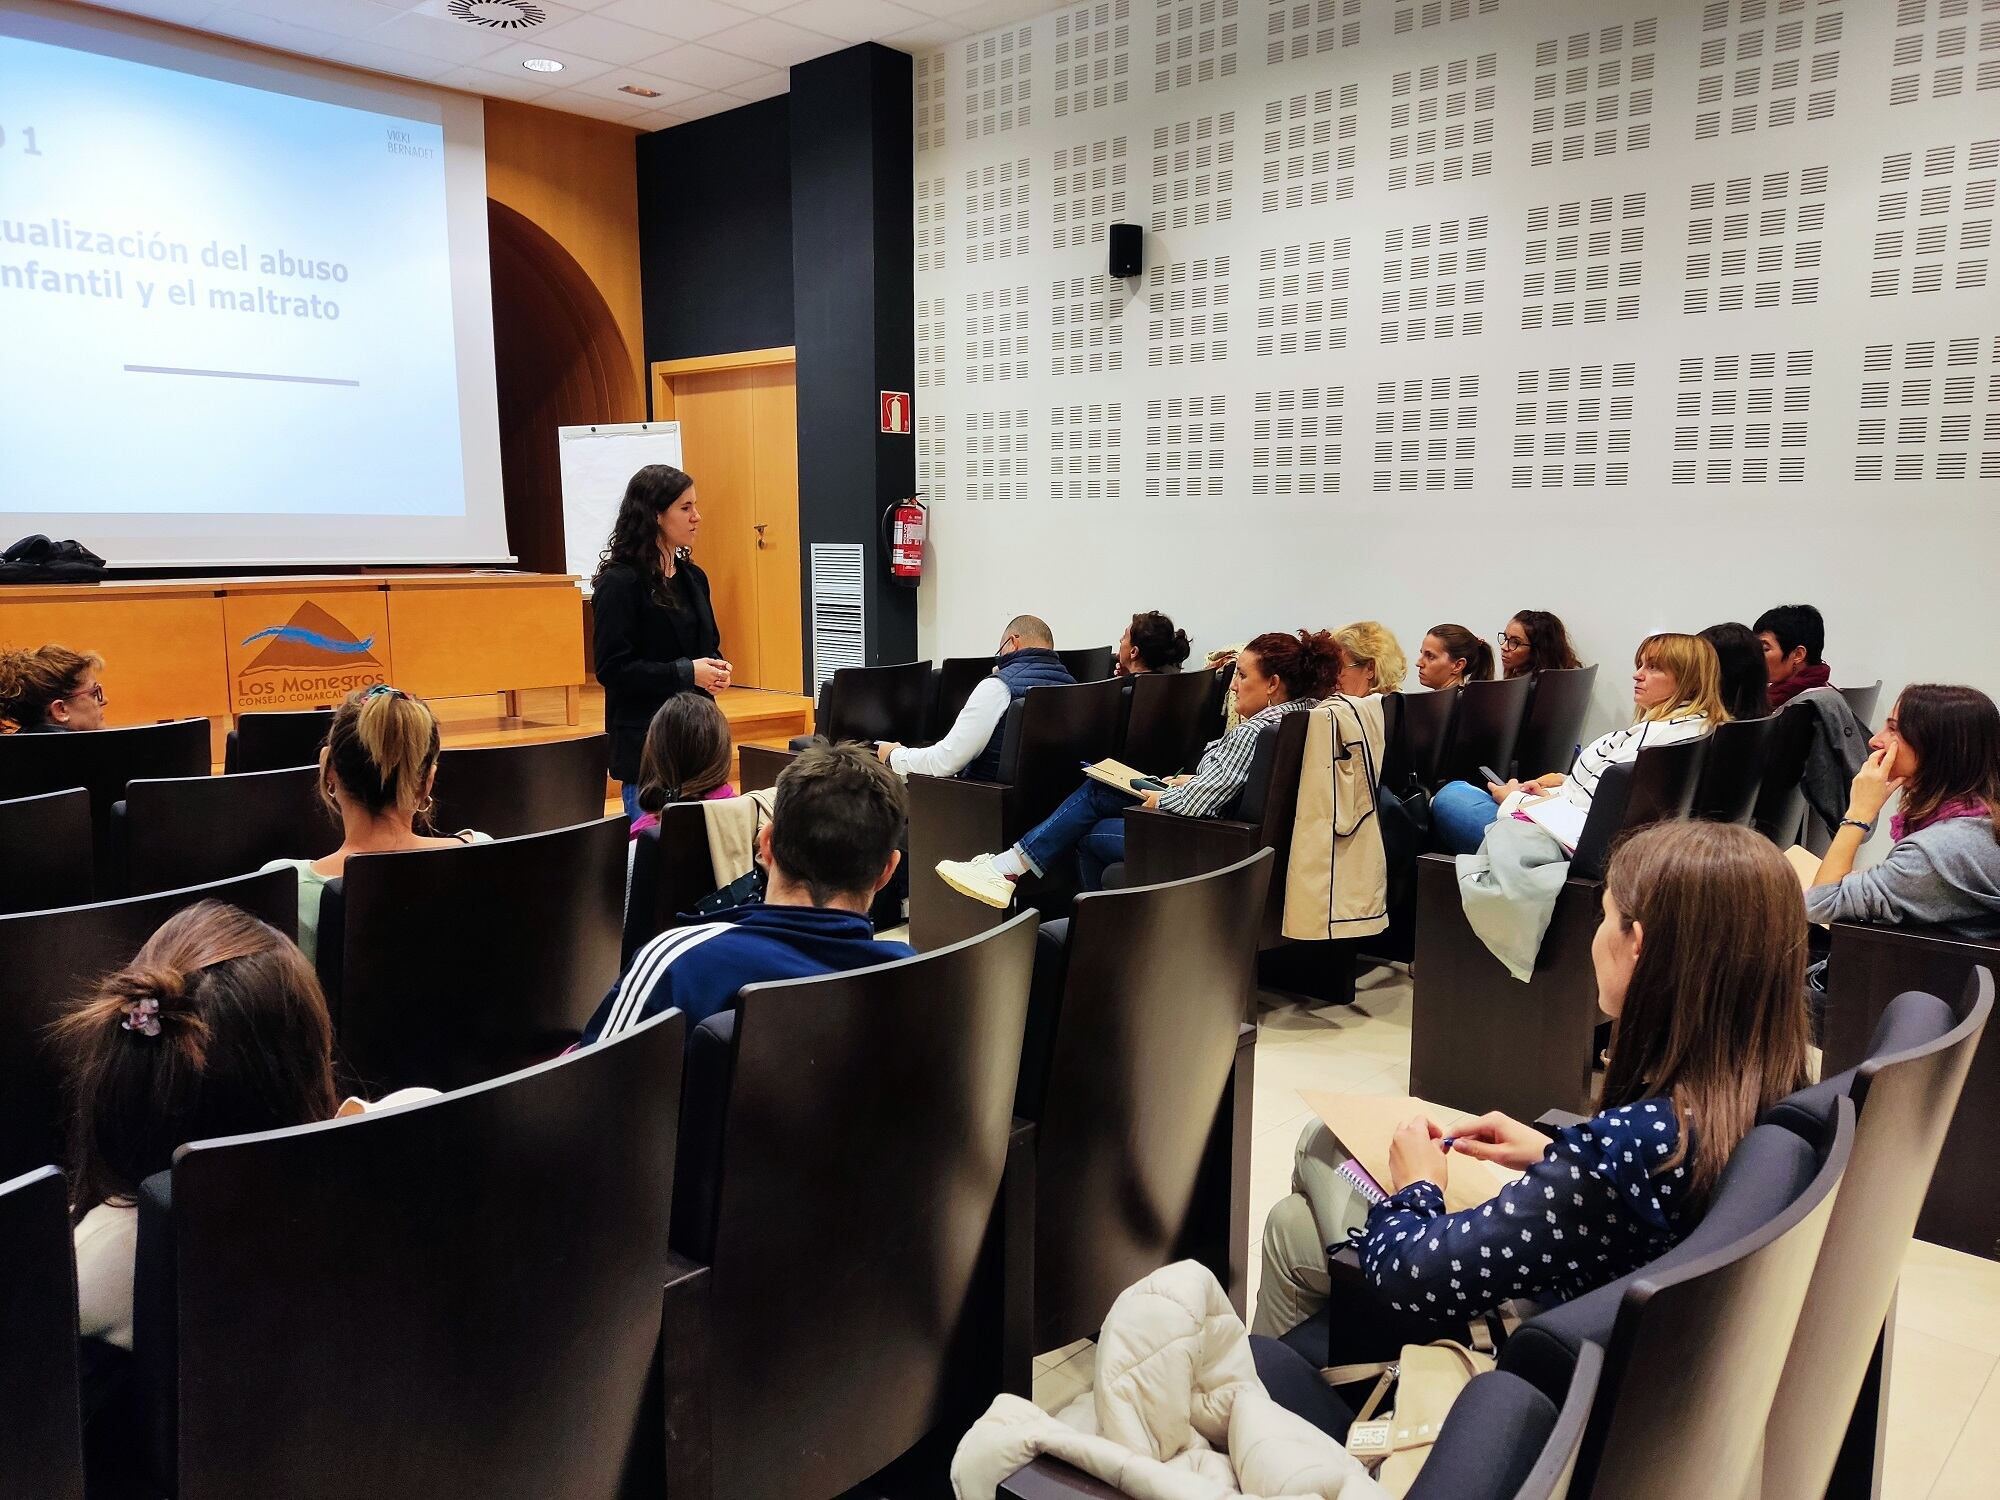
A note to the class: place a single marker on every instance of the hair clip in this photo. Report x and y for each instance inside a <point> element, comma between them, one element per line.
<point>381,688</point>
<point>142,1016</point>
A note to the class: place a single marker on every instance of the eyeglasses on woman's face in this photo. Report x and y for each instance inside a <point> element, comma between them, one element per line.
<point>95,692</point>
<point>1513,640</point>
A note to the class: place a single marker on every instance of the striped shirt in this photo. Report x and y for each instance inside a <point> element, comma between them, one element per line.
<point>1225,765</point>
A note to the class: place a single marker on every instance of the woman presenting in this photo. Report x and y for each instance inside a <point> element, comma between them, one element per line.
<point>655,630</point>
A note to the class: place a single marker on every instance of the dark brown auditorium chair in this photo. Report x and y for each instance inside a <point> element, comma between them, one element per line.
<point>1732,770</point>
<point>1168,722</point>
<point>1479,1038</point>
<point>1904,1094</point>
<point>1142,1067</point>
<point>1781,797</point>
<point>1506,1441</point>
<point>1049,734</point>
<point>1485,728</point>
<point>505,790</point>
<point>51,958</point>
<point>185,830</point>
<point>670,873</point>
<point>1160,846</point>
<point>1867,967</point>
<point>1088,663</point>
<point>1863,700</point>
<point>276,740</point>
<point>956,677</point>
<point>446,967</point>
<point>45,851</point>
<point>867,704</point>
<point>1416,731</point>
<point>41,1433</point>
<point>1695,1342</point>
<point>850,1279</point>
<point>457,1298</point>
<point>101,762</point>
<point>1556,712</point>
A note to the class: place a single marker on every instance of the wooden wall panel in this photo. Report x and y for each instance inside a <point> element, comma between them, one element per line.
<point>775,422</point>
<point>163,655</point>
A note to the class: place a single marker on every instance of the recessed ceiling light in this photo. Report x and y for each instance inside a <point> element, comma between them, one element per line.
<point>640,89</point>
<point>542,65</point>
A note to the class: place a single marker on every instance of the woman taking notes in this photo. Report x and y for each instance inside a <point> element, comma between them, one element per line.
<point>655,632</point>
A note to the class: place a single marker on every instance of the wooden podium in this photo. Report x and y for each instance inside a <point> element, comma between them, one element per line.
<point>214,647</point>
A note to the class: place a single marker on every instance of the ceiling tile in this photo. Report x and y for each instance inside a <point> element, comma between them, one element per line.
<point>671,91</point>
<point>762,7</point>
<point>576,68</point>
<point>323,46</point>
<point>343,17</point>
<point>968,13</point>
<point>523,90</point>
<point>703,65</point>
<point>436,37</point>
<point>684,20</point>
<point>712,104</point>
<point>927,37</point>
<point>596,37</point>
<point>774,43</point>
<point>765,86</point>
<point>617,111</point>
<point>180,12</point>
<point>851,20</point>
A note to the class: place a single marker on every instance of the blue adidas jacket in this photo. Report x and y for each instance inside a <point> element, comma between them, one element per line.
<point>701,968</point>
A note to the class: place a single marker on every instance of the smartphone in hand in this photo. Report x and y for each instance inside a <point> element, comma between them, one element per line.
<point>1148,784</point>
<point>1492,776</point>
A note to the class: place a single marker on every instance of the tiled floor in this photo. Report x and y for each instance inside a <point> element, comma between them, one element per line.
<point>1945,1387</point>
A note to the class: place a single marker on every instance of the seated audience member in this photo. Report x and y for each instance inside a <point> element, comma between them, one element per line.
<point>1371,659</point>
<point>50,690</point>
<point>376,774</point>
<point>1793,635</point>
<point>1535,641</point>
<point>971,747</point>
<point>1940,747</point>
<point>1276,674</point>
<point>1150,644</point>
<point>1676,692</point>
<point>217,1027</point>
<point>1452,656</point>
<point>685,759</point>
<point>1740,655</point>
<point>1700,958</point>
<point>829,847</point>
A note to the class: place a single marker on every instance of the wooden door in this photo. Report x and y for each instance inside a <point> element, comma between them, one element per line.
<point>739,439</point>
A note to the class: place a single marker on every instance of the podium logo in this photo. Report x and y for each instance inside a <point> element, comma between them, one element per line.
<point>312,659</point>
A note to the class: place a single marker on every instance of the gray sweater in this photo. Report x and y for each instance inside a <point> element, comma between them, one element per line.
<point>1946,875</point>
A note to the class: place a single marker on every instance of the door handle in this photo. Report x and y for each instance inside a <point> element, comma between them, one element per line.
<point>760,533</point>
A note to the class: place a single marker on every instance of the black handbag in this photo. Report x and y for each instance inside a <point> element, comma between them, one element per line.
<point>36,559</point>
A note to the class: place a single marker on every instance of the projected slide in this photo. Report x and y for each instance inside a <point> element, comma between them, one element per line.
<point>219,299</point>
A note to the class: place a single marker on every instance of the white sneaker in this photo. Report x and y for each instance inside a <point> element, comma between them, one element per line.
<point>978,878</point>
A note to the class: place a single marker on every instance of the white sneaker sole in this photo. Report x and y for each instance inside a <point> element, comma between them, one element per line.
<point>978,893</point>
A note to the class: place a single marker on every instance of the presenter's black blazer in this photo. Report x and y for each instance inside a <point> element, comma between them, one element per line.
<point>645,651</point>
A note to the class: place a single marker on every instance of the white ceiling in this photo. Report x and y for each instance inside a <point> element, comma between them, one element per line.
<point>704,56</point>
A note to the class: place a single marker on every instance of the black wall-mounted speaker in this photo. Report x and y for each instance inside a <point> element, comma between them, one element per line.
<point>1128,249</point>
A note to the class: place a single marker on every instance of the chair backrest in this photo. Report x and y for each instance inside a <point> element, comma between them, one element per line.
<point>1905,1093</point>
<point>877,703</point>
<point>957,676</point>
<point>1732,770</point>
<point>446,967</point>
<point>189,829</point>
<point>1157,980</point>
<point>1424,731</point>
<point>1088,663</point>
<point>101,762</point>
<point>1507,1442</point>
<point>865,1115</point>
<point>276,739</point>
<point>1781,795</point>
<point>1554,724</point>
<point>1215,714</point>
<point>41,1438</point>
<point>1050,732</point>
<point>505,790</point>
<point>670,873</point>
<point>1697,1340</point>
<point>457,1298</point>
<point>1863,700</point>
<point>45,850</point>
<point>1485,728</point>
<point>1168,716</point>
<point>51,958</point>
<point>1657,786</point>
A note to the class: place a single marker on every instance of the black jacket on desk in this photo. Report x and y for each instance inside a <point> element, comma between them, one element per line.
<point>645,651</point>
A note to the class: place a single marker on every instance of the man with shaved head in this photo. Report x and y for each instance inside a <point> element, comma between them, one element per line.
<point>971,747</point>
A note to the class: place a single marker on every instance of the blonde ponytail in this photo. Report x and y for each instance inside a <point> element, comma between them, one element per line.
<point>381,748</point>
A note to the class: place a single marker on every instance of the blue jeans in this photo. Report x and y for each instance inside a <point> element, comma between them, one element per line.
<point>1460,816</point>
<point>1091,821</point>
<point>629,790</point>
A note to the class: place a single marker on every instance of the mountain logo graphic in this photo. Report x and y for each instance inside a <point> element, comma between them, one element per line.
<point>311,638</point>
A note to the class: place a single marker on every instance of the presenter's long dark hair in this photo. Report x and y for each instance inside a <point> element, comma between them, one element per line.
<point>635,535</point>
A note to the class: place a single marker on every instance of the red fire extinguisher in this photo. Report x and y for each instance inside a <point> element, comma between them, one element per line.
<point>903,527</point>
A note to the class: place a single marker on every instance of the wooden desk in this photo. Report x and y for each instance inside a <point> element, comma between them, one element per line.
<point>213,647</point>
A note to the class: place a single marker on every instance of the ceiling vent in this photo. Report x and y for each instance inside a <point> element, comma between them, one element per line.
<point>497,15</point>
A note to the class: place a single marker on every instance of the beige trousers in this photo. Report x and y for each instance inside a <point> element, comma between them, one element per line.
<point>1322,1207</point>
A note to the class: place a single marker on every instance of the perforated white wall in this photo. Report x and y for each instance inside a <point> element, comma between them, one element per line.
<point>1650,314</point>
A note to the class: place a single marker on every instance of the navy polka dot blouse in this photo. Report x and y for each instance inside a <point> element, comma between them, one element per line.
<point>1592,1209</point>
